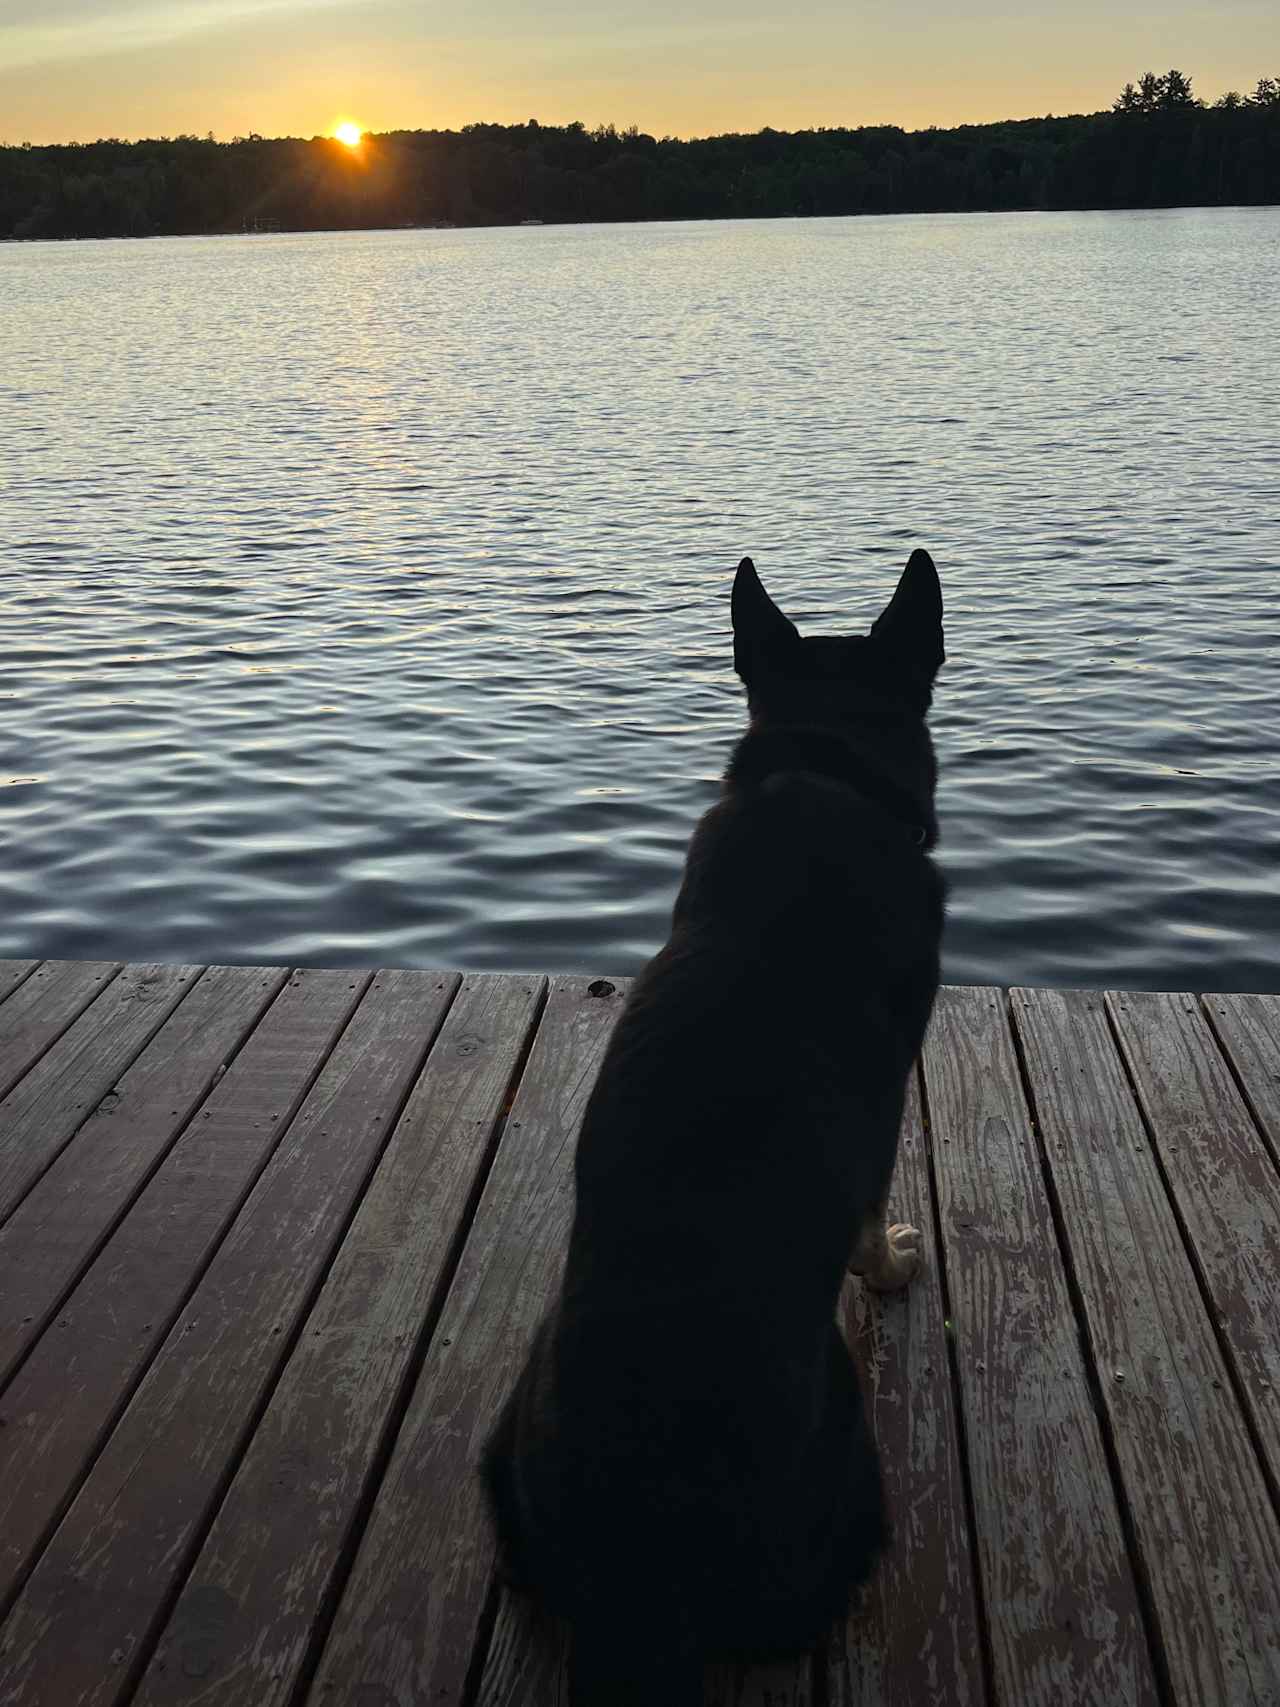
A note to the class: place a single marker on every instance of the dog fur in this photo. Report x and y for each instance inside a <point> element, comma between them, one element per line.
<point>684,1470</point>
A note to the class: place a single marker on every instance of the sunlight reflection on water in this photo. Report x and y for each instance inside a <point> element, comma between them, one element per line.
<point>366,595</point>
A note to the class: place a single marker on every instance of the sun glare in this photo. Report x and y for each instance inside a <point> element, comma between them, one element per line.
<point>348,133</point>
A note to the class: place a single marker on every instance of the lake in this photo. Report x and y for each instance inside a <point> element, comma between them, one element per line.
<point>365,595</point>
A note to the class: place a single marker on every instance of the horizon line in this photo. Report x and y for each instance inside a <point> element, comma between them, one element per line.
<point>591,129</point>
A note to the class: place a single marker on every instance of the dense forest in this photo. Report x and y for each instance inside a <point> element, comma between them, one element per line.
<point>1159,146</point>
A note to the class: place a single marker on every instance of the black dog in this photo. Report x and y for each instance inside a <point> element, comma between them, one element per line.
<point>684,1470</point>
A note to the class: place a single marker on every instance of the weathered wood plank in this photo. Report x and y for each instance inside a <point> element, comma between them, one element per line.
<point>44,1110</point>
<point>407,1623</point>
<point>82,1626</point>
<point>13,973</point>
<point>63,1401</point>
<point>1224,1183</point>
<point>913,1638</point>
<point>1248,1028</point>
<point>54,1233</point>
<point>1198,1503</point>
<point>1063,1610</point>
<point>41,1009</point>
<point>241,1627</point>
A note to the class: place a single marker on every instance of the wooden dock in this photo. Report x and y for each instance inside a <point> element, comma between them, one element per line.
<point>271,1244</point>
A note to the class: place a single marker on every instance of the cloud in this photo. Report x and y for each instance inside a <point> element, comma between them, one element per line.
<point>82,29</point>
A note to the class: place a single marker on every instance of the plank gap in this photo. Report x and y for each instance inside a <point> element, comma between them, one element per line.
<point>1204,1284</point>
<point>56,1299</point>
<point>1256,1114</point>
<point>129,1389</point>
<point>819,1679</point>
<point>1137,1559</point>
<point>406,1626</point>
<point>14,974</point>
<point>165,1605</point>
<point>52,972</point>
<point>399,1407</point>
<point>72,1073</point>
<point>485,1626</point>
<point>986,1653</point>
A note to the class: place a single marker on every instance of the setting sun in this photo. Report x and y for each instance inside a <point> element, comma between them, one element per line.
<point>348,133</point>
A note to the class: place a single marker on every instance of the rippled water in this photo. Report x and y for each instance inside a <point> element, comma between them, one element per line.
<point>365,596</point>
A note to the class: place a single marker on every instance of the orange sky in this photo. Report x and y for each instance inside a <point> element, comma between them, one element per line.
<point>77,69</point>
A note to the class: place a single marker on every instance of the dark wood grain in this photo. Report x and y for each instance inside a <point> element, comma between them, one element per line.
<point>50,1103</point>
<point>407,1624</point>
<point>41,1008</point>
<point>1225,1186</point>
<point>13,973</point>
<point>87,1615</point>
<point>1199,1507</point>
<point>1248,1028</point>
<point>62,1402</point>
<point>55,1232</point>
<point>1130,1362</point>
<point>240,1630</point>
<point>913,1637</point>
<point>1064,1616</point>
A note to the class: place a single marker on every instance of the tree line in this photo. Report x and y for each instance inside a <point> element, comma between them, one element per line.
<point>1159,146</point>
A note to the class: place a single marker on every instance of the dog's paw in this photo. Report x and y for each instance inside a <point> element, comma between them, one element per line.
<point>900,1260</point>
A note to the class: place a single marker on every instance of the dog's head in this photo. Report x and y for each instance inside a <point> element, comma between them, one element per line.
<point>871,690</point>
<point>825,681</point>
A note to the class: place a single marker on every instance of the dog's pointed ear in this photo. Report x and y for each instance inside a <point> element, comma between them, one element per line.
<point>911,623</point>
<point>763,639</point>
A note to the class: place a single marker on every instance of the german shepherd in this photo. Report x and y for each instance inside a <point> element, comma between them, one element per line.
<point>684,1471</point>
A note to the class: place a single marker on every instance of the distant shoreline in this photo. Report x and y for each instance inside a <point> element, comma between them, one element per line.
<point>1135,158</point>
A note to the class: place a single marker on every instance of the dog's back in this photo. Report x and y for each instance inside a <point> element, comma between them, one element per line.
<point>684,1469</point>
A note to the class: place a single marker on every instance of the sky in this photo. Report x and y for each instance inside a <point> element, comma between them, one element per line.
<point>73,70</point>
